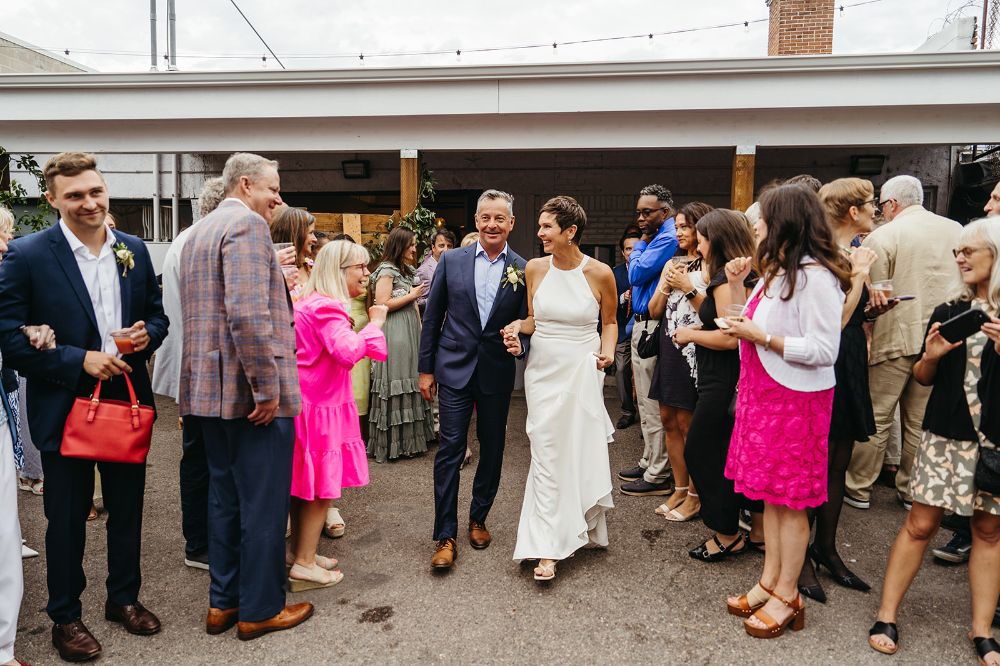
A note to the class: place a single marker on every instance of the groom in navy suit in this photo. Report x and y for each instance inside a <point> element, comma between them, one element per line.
<point>84,281</point>
<point>476,291</point>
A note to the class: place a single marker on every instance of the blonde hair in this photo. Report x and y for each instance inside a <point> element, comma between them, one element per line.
<point>470,239</point>
<point>839,195</point>
<point>986,231</point>
<point>7,220</point>
<point>327,276</point>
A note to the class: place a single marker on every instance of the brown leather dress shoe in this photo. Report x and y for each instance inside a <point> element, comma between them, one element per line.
<point>290,616</point>
<point>479,536</point>
<point>75,642</point>
<point>134,617</point>
<point>221,620</point>
<point>445,554</point>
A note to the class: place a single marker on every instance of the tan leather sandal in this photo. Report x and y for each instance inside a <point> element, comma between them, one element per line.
<point>772,628</point>
<point>748,603</point>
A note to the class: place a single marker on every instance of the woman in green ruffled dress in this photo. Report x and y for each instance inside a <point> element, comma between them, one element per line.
<point>400,422</point>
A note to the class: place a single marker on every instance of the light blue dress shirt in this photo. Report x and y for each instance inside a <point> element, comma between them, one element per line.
<point>488,276</point>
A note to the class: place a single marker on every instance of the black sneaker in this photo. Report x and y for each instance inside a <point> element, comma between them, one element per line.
<point>644,487</point>
<point>625,421</point>
<point>955,551</point>
<point>197,561</point>
<point>631,474</point>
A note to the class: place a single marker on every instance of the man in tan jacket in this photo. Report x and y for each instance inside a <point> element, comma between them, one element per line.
<point>915,253</point>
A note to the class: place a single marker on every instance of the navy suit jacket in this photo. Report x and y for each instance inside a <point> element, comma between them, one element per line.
<point>40,283</point>
<point>453,342</point>
<point>624,313</point>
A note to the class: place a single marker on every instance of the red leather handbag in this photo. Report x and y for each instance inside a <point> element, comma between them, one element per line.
<point>108,430</point>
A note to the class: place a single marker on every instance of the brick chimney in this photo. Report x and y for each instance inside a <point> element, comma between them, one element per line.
<point>800,27</point>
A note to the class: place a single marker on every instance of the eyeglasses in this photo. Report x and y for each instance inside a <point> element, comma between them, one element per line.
<point>646,212</point>
<point>362,266</point>
<point>873,202</point>
<point>882,204</point>
<point>967,252</point>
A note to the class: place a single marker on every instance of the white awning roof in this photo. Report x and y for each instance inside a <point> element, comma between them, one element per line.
<point>920,98</point>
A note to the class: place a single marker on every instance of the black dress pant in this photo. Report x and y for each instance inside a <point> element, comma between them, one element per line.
<point>194,489</point>
<point>69,493</point>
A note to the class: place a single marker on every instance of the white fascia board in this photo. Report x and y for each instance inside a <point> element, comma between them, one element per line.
<point>845,82</point>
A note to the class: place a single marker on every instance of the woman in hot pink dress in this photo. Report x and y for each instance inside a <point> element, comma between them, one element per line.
<point>789,338</point>
<point>329,452</point>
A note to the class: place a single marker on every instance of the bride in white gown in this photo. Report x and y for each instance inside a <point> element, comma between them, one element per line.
<point>569,486</point>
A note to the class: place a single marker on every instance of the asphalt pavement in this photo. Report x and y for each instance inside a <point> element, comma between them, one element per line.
<point>640,601</point>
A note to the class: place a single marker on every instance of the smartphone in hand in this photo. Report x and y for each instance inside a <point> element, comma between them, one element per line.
<point>963,325</point>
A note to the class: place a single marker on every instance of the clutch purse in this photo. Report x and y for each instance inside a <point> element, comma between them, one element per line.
<point>988,471</point>
<point>108,430</point>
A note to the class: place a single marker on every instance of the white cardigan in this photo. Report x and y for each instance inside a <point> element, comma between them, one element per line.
<point>810,323</point>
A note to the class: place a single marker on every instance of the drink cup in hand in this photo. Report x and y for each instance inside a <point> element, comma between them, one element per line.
<point>884,286</point>
<point>123,340</point>
<point>735,312</point>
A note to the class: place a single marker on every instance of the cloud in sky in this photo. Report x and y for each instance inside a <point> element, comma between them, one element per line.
<point>295,28</point>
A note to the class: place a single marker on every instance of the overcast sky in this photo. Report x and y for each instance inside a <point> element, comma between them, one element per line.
<point>325,27</point>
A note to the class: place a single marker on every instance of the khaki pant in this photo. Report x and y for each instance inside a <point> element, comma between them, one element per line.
<point>892,384</point>
<point>654,455</point>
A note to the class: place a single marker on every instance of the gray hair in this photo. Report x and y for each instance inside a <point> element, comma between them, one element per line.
<point>493,195</point>
<point>905,190</point>
<point>7,220</point>
<point>244,164</point>
<point>211,195</point>
<point>986,231</point>
<point>661,193</point>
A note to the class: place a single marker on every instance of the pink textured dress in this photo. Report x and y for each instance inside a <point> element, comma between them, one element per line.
<point>329,452</point>
<point>778,452</point>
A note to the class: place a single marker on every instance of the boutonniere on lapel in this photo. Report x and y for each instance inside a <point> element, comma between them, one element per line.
<point>124,257</point>
<point>513,276</point>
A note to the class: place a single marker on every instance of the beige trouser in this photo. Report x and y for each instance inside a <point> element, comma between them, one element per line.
<point>654,455</point>
<point>891,384</point>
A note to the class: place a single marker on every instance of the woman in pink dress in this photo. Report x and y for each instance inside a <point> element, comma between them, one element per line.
<point>329,452</point>
<point>789,337</point>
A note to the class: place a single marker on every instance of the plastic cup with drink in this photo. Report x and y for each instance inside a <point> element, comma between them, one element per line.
<point>123,340</point>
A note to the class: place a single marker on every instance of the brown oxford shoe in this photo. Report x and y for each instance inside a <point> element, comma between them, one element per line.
<point>290,616</point>
<point>134,617</point>
<point>75,642</point>
<point>445,554</point>
<point>221,620</point>
<point>479,536</point>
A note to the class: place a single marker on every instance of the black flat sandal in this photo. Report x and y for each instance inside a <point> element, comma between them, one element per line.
<point>702,554</point>
<point>984,646</point>
<point>887,629</point>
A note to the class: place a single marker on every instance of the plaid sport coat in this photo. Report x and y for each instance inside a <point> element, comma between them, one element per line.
<point>239,340</point>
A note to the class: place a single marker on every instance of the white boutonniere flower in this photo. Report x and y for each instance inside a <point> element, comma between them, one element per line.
<point>514,276</point>
<point>124,257</point>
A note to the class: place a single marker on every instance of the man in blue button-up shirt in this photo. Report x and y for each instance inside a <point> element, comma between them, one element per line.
<point>654,212</point>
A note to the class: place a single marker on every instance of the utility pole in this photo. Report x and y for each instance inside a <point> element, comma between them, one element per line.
<point>172,34</point>
<point>152,36</point>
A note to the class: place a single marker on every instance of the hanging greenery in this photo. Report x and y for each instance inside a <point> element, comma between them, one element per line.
<point>421,221</point>
<point>13,194</point>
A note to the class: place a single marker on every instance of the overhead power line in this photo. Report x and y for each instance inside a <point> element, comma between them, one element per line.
<point>257,33</point>
<point>432,52</point>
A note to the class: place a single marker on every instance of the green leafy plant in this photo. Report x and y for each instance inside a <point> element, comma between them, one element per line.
<point>13,193</point>
<point>421,221</point>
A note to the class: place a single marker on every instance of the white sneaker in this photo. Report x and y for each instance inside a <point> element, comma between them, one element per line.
<point>856,503</point>
<point>27,553</point>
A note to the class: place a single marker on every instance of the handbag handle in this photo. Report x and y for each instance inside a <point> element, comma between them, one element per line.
<point>95,400</point>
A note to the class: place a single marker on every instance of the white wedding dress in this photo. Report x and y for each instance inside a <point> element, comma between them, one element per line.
<point>569,482</point>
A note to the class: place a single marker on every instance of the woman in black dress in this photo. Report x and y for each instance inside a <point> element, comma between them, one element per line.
<point>850,207</point>
<point>722,235</point>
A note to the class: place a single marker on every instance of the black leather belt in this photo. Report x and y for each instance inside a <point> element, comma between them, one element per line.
<point>641,318</point>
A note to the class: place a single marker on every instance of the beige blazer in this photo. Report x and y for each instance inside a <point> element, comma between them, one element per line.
<point>915,252</point>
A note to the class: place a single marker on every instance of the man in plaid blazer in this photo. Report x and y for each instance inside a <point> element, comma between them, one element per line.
<point>239,380</point>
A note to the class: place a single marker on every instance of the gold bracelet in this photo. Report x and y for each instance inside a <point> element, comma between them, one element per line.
<point>767,342</point>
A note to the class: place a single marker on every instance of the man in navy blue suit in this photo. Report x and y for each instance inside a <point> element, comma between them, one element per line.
<point>477,290</point>
<point>84,281</point>
<point>623,349</point>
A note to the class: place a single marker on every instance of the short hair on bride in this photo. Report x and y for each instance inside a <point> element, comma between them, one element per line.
<point>567,213</point>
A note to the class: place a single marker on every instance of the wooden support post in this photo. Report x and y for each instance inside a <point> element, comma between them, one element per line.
<point>352,225</point>
<point>409,180</point>
<point>744,161</point>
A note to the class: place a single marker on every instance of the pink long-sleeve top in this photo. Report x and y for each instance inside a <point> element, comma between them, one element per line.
<point>327,348</point>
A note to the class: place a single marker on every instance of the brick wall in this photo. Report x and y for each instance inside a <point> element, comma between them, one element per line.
<point>800,27</point>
